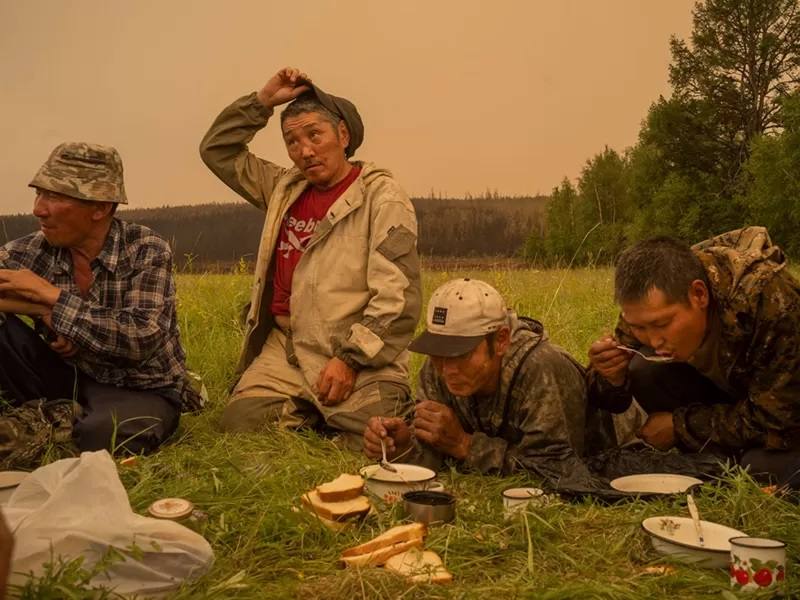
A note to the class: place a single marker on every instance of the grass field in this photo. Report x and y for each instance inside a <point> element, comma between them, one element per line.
<point>249,485</point>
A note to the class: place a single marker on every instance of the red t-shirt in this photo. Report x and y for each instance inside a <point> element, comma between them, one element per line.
<point>297,228</point>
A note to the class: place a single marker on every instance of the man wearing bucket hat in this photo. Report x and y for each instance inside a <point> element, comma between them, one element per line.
<point>494,394</point>
<point>337,290</point>
<point>108,369</point>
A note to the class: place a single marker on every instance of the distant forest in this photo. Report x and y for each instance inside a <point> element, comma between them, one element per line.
<point>219,236</point>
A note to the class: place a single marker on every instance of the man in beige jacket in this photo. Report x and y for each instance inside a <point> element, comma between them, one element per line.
<point>336,295</point>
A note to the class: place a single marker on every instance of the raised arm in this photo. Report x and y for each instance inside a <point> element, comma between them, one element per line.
<point>224,148</point>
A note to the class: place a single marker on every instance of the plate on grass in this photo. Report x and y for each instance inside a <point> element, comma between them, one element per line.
<point>677,537</point>
<point>654,483</point>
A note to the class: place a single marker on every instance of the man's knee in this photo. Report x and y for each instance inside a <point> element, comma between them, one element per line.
<point>251,413</point>
<point>101,430</point>
<point>382,399</point>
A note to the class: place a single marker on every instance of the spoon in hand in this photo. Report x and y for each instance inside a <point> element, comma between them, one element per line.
<point>385,464</point>
<point>651,357</point>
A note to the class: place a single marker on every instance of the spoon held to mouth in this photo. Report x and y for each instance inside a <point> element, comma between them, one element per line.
<point>651,357</point>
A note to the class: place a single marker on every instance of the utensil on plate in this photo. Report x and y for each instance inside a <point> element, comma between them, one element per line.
<point>385,464</point>
<point>695,518</point>
<point>676,536</point>
<point>650,357</point>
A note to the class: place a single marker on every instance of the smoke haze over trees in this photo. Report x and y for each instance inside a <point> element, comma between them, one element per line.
<point>722,152</point>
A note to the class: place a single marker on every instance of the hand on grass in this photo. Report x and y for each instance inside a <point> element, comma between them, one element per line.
<point>438,426</point>
<point>394,432</point>
<point>609,361</point>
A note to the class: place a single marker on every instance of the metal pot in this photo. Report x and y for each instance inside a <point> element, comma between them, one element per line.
<point>430,507</point>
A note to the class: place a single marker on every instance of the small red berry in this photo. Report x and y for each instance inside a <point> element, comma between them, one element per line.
<point>763,577</point>
<point>780,574</point>
<point>742,578</point>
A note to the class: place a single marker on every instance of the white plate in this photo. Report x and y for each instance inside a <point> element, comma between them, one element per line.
<point>9,479</point>
<point>677,537</point>
<point>654,483</point>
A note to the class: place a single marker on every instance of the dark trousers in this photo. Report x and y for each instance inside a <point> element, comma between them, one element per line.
<point>111,418</point>
<point>667,386</point>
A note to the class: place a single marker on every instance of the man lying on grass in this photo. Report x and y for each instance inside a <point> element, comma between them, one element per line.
<point>494,394</point>
<point>727,313</point>
<point>103,297</point>
<point>337,288</point>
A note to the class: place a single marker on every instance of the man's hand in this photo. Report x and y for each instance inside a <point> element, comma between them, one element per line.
<point>63,347</point>
<point>286,85</point>
<point>437,425</point>
<point>335,382</point>
<point>609,361</point>
<point>394,432</point>
<point>658,431</point>
<point>27,285</point>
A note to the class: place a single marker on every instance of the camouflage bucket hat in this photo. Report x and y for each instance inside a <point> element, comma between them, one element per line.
<point>83,171</point>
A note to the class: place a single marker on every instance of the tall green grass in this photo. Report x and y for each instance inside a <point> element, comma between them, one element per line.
<point>266,547</point>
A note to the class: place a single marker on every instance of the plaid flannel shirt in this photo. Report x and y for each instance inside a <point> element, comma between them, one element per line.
<point>126,328</point>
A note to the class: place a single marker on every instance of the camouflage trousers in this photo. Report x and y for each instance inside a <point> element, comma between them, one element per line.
<point>33,429</point>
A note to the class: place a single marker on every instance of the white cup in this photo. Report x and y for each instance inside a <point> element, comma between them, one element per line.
<point>515,500</point>
<point>757,563</point>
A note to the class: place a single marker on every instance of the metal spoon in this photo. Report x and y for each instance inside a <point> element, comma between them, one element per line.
<point>650,357</point>
<point>696,518</point>
<point>385,464</point>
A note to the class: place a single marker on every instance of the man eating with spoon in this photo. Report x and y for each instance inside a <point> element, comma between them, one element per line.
<point>727,313</point>
<point>494,394</point>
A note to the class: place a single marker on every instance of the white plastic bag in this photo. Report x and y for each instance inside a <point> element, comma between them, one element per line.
<point>79,507</point>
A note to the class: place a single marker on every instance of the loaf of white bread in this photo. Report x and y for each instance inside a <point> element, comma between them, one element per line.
<point>338,500</point>
<point>424,566</point>
<point>379,549</point>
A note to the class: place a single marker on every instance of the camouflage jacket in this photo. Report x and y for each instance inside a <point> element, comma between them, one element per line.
<point>757,303</point>
<point>535,420</point>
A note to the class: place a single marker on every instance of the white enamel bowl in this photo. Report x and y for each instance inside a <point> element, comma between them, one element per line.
<point>677,537</point>
<point>390,487</point>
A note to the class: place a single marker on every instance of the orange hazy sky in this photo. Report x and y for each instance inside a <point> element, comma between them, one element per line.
<point>457,95</point>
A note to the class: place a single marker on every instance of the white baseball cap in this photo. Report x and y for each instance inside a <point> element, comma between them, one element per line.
<point>460,314</point>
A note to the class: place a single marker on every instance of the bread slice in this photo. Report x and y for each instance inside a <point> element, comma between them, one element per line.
<point>344,487</point>
<point>400,533</point>
<point>379,556</point>
<point>392,541</point>
<point>336,511</point>
<point>423,566</point>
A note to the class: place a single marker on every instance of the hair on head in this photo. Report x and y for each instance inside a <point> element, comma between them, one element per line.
<point>309,104</point>
<point>663,263</point>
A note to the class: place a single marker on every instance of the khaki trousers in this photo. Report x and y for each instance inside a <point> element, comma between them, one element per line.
<point>273,391</point>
